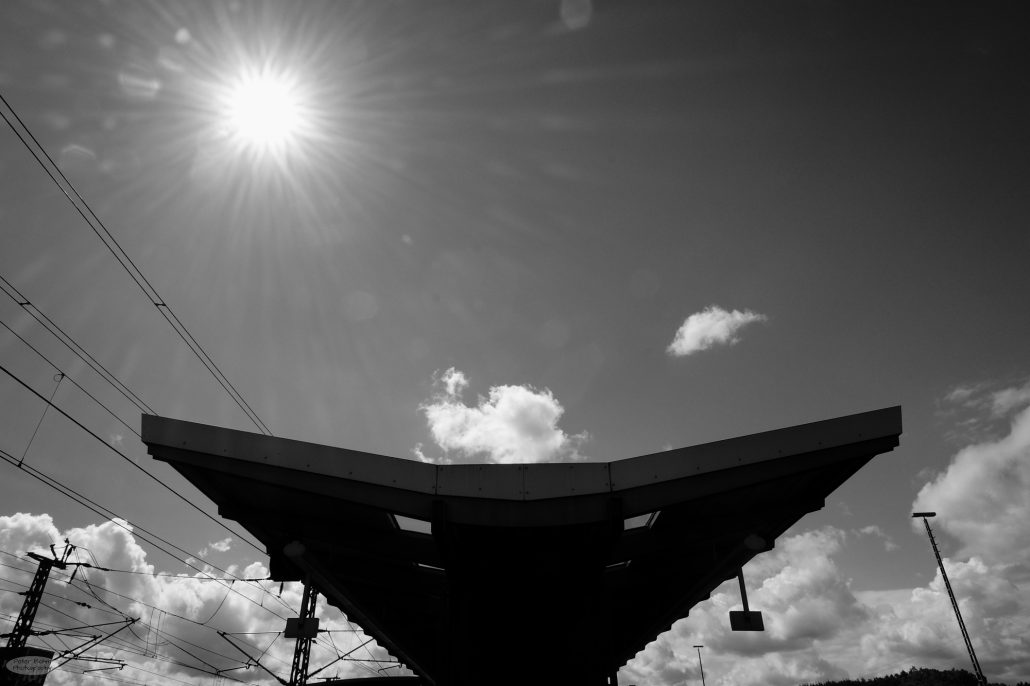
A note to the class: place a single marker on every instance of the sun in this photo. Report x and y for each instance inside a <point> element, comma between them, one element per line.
<point>264,112</point>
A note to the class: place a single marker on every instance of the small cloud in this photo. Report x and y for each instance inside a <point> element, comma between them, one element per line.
<point>422,457</point>
<point>710,327</point>
<point>454,382</point>
<point>982,398</point>
<point>576,14</point>
<point>1008,400</point>
<point>221,546</point>
<point>512,424</point>
<point>873,530</point>
<point>962,393</point>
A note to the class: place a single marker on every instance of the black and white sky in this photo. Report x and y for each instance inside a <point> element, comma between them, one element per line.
<point>535,231</point>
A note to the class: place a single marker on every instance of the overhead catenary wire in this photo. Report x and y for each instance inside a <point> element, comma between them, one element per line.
<point>100,229</point>
<point>114,247</point>
<point>120,644</point>
<point>128,459</point>
<point>58,378</point>
<point>57,332</point>
<point>146,535</point>
<point>171,575</point>
<point>72,380</point>
<point>97,566</point>
<point>169,637</point>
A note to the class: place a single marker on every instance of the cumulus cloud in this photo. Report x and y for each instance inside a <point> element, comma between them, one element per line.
<point>511,424</point>
<point>818,629</point>
<point>805,601</point>
<point>918,626</point>
<point>983,497</point>
<point>189,607</point>
<point>710,327</point>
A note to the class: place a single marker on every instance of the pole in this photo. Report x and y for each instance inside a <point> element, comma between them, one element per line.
<point>23,625</point>
<point>302,652</point>
<point>701,664</point>
<point>743,591</point>
<point>980,678</point>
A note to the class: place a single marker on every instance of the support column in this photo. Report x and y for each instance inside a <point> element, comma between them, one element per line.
<point>23,625</point>
<point>305,629</point>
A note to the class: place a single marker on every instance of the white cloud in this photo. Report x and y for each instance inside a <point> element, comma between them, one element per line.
<point>962,393</point>
<point>1007,400</point>
<point>873,530</point>
<point>219,546</point>
<point>454,382</point>
<point>709,327</point>
<point>222,545</point>
<point>817,629</point>
<point>983,497</point>
<point>512,424</point>
<point>987,400</point>
<point>805,602</point>
<point>918,626</point>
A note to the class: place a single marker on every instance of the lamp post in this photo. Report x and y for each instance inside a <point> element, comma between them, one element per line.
<point>980,679</point>
<point>701,664</point>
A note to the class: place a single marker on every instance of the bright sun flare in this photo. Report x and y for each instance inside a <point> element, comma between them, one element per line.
<point>264,112</point>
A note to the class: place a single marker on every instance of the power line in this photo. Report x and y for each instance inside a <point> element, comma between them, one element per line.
<point>66,376</point>
<point>128,459</point>
<point>169,636</point>
<point>130,267</point>
<point>58,378</point>
<point>71,493</point>
<point>132,648</point>
<point>57,332</point>
<point>126,646</point>
<point>99,568</point>
<point>103,511</point>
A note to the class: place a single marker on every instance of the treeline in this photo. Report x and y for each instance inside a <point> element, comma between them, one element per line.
<point>917,677</point>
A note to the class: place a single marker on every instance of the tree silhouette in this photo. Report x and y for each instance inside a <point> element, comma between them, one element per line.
<point>916,676</point>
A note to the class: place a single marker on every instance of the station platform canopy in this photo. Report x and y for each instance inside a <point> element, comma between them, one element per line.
<point>519,573</point>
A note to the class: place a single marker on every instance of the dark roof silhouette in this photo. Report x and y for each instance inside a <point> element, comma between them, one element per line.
<point>522,573</point>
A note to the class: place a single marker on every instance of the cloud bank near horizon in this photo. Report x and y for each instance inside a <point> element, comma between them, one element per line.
<point>818,629</point>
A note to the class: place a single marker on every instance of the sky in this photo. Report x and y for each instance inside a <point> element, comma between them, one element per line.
<point>531,231</point>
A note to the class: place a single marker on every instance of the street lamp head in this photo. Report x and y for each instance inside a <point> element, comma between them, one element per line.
<point>924,514</point>
<point>699,646</point>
